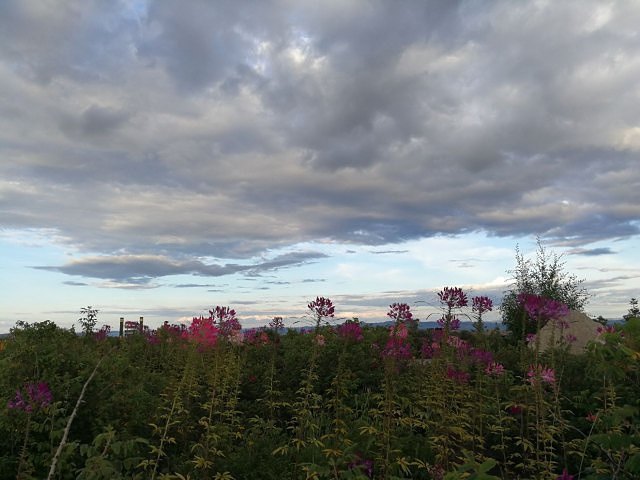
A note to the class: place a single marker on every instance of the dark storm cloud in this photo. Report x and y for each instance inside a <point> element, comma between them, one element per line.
<point>154,131</point>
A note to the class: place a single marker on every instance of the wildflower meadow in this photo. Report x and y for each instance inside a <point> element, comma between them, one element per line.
<point>337,400</point>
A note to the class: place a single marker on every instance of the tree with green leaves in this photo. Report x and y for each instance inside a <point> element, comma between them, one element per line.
<point>634,311</point>
<point>544,276</point>
<point>88,319</point>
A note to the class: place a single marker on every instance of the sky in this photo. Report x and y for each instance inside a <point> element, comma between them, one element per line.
<point>160,158</point>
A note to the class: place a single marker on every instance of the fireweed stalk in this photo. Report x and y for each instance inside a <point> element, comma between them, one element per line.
<point>304,423</point>
<point>397,350</point>
<point>548,424</point>
<point>33,398</point>
<point>337,440</point>
<point>221,420</point>
<point>200,336</point>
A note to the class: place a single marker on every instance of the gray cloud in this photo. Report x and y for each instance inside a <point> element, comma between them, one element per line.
<point>384,252</point>
<point>592,252</point>
<point>162,134</point>
<point>136,271</point>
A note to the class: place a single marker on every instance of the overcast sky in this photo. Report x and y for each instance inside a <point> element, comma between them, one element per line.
<point>160,158</point>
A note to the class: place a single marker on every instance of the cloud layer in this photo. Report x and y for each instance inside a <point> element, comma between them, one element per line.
<point>152,136</point>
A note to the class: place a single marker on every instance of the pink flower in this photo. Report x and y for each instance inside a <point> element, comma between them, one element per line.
<point>458,375</point>
<point>606,329</point>
<point>515,409</point>
<point>351,330</point>
<point>565,475</point>
<point>400,312</point>
<point>459,344</point>
<point>453,297</point>
<point>429,350</point>
<point>542,308</point>
<point>202,331</point>
<point>226,319</point>
<point>320,340</point>
<point>254,336</point>
<point>454,323</point>
<point>103,333</point>
<point>570,338</point>
<point>481,305</point>
<point>494,369</point>
<point>591,417</point>
<point>236,337</point>
<point>547,375</point>
<point>482,356</point>
<point>321,307</point>
<point>37,396</point>
<point>397,345</point>
<point>531,337</point>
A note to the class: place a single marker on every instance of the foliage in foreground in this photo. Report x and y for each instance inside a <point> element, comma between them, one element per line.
<point>341,402</point>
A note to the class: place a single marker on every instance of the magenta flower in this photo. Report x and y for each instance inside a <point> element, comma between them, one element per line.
<point>458,376</point>
<point>461,346</point>
<point>38,396</point>
<point>236,337</point>
<point>547,375</point>
<point>482,356</point>
<point>103,333</point>
<point>256,336</point>
<point>542,308</point>
<point>531,337</point>
<point>351,330</point>
<point>453,297</point>
<point>400,312</point>
<point>495,369</point>
<point>202,332</point>
<point>454,323</point>
<point>565,475</point>
<point>606,329</point>
<point>226,320</point>
<point>515,409</point>
<point>397,345</point>
<point>365,465</point>
<point>321,307</point>
<point>429,349</point>
<point>570,338</point>
<point>481,305</point>
<point>397,348</point>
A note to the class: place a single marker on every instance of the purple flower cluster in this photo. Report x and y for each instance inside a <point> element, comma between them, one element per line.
<point>547,375</point>
<point>397,345</point>
<point>453,297</point>
<point>35,397</point>
<point>103,333</point>
<point>400,312</point>
<point>351,330</point>
<point>459,376</point>
<point>256,336</point>
<point>542,308</point>
<point>481,304</point>
<point>454,323</point>
<point>321,307</point>
<point>365,466</point>
<point>226,320</point>
<point>202,332</point>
